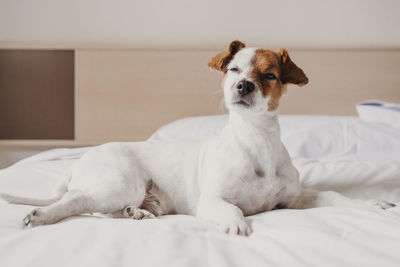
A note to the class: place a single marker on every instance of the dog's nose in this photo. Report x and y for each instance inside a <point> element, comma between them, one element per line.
<point>245,87</point>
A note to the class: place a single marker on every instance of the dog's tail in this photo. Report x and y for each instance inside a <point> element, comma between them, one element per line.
<point>58,192</point>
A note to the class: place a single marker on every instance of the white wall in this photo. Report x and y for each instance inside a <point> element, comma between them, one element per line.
<point>206,23</point>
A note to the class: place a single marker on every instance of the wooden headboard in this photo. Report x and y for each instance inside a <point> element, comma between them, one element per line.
<point>125,94</point>
<point>128,94</point>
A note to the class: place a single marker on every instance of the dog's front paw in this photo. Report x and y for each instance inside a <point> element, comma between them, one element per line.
<point>384,204</point>
<point>33,219</point>
<point>235,228</point>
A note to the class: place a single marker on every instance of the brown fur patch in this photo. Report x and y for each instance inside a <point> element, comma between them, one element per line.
<point>221,60</point>
<point>284,69</point>
<point>290,72</point>
<point>267,61</point>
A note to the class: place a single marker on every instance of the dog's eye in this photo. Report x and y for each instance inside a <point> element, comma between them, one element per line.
<point>234,69</point>
<point>269,76</point>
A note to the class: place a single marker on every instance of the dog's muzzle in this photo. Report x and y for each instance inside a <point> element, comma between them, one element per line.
<point>245,87</point>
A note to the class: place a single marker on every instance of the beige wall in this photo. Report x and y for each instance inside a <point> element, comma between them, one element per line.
<point>200,23</point>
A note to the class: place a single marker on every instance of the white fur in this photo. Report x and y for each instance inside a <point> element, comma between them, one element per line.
<point>244,170</point>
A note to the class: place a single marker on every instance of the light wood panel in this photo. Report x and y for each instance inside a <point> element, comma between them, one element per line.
<point>341,79</point>
<point>128,94</point>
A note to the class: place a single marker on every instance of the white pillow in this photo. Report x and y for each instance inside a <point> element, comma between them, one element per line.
<point>329,137</point>
<point>191,128</point>
<point>380,112</point>
<point>316,137</point>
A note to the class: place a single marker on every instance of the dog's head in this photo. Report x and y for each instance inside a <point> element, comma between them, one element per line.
<point>254,79</point>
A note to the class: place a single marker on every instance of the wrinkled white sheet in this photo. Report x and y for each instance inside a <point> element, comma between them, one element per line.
<point>328,236</point>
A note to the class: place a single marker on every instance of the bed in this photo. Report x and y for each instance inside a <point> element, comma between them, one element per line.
<point>358,156</point>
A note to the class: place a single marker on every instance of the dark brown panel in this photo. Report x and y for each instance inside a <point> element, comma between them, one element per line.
<point>36,94</point>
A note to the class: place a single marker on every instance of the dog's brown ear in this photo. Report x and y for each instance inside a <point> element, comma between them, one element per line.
<point>290,73</point>
<point>221,60</point>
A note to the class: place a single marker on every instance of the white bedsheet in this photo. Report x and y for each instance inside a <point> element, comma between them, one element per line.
<point>329,236</point>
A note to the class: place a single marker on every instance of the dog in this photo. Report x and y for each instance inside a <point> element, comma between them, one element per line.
<point>244,170</point>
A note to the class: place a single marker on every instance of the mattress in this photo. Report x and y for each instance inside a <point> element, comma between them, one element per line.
<point>360,159</point>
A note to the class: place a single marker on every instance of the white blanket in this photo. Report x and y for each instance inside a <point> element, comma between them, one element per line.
<point>329,236</point>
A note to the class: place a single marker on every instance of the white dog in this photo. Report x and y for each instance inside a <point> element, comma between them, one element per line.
<point>244,170</point>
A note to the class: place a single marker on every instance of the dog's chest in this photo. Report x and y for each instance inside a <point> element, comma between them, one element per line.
<point>255,186</point>
<point>254,194</point>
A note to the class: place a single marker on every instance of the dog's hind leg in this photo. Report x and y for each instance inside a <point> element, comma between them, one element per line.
<point>73,203</point>
<point>137,213</point>
<point>149,209</point>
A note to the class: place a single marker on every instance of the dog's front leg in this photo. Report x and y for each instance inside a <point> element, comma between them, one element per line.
<point>227,216</point>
